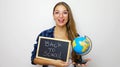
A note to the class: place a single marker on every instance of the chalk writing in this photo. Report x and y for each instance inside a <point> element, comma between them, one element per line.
<point>53,49</point>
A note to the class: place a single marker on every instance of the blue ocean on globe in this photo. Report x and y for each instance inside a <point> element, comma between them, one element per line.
<point>82,45</point>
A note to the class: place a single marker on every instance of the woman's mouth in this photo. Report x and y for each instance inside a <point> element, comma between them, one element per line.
<point>61,20</point>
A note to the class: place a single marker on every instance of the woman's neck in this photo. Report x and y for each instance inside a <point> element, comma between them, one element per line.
<point>60,29</point>
<point>60,32</point>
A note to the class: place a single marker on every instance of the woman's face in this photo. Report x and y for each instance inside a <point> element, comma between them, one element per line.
<point>60,15</point>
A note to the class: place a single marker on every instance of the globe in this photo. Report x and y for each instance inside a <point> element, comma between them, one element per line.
<point>82,45</point>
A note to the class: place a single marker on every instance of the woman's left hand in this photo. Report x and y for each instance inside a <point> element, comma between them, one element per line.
<point>83,65</point>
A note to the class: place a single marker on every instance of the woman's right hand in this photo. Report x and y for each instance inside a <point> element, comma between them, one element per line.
<point>60,63</point>
<point>57,63</point>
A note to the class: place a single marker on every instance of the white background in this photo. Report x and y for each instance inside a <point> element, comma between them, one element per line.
<point>22,20</point>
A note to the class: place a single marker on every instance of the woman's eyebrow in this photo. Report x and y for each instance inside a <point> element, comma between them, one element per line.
<point>59,10</point>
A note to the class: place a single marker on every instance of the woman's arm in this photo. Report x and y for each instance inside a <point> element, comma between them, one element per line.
<point>57,63</point>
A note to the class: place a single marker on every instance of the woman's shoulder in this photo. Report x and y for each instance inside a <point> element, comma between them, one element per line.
<point>47,32</point>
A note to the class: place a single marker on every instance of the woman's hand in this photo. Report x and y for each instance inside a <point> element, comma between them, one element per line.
<point>56,63</point>
<point>60,63</point>
<point>84,64</point>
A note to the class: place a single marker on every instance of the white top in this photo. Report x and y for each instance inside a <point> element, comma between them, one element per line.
<point>69,61</point>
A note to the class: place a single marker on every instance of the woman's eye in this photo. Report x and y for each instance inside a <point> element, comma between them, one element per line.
<point>65,12</point>
<point>56,12</point>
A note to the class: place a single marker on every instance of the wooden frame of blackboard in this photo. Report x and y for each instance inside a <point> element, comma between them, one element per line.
<point>63,45</point>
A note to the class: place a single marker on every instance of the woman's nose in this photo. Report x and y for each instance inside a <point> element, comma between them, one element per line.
<point>60,15</point>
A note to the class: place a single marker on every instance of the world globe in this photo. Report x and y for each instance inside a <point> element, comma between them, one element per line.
<point>82,45</point>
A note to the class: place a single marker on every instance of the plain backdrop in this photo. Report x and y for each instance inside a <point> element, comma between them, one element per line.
<point>22,20</point>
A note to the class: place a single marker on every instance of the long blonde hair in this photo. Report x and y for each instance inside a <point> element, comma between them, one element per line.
<point>71,28</point>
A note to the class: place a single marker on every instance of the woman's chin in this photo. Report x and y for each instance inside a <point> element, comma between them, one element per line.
<point>61,25</point>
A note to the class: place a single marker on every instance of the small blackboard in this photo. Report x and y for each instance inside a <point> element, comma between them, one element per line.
<point>51,48</point>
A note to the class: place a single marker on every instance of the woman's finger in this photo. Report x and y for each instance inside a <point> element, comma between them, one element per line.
<point>73,63</point>
<point>88,59</point>
<point>79,64</point>
<point>83,65</point>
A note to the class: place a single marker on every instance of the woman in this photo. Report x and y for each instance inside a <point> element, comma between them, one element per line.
<point>64,29</point>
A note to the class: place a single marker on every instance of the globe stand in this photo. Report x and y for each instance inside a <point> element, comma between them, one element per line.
<point>80,61</point>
